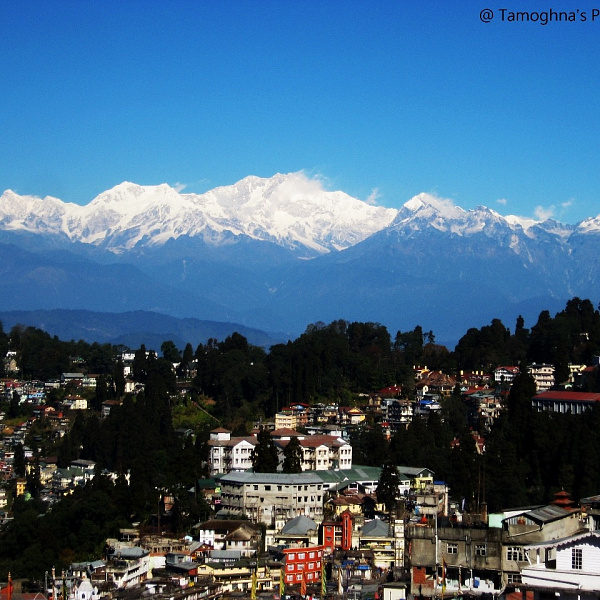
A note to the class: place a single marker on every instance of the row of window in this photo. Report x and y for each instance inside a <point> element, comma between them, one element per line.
<point>267,488</point>
<point>308,577</point>
<point>302,555</point>
<point>300,566</point>
<point>519,554</point>
<point>480,549</point>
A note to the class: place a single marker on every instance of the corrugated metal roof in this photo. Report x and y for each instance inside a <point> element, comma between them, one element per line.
<point>299,525</point>
<point>273,478</point>
<point>375,528</point>
<point>548,513</point>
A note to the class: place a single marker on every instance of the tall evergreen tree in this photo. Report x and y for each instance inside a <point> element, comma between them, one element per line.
<point>264,455</point>
<point>19,461</point>
<point>388,490</point>
<point>292,462</point>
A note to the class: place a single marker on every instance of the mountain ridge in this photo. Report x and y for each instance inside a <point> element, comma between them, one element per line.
<point>243,258</point>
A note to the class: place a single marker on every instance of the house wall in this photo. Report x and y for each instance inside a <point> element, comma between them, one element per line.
<point>590,558</point>
<point>301,563</point>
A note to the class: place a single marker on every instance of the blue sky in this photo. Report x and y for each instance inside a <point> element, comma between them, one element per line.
<point>381,99</point>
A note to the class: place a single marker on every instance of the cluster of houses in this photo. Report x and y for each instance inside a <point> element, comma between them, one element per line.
<point>324,531</point>
<point>314,534</point>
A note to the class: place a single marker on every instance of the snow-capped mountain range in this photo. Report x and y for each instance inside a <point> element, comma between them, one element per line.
<point>290,210</point>
<point>233,253</point>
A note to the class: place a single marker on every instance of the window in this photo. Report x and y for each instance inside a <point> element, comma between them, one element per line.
<point>576,558</point>
<point>513,578</point>
<point>301,556</point>
<point>480,550</point>
<point>267,488</point>
<point>292,556</point>
<point>452,549</point>
<point>516,553</point>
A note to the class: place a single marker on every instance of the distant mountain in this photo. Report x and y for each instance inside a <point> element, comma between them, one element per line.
<point>280,253</point>
<point>132,329</point>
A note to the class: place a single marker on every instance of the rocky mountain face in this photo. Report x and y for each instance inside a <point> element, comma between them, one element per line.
<point>283,252</point>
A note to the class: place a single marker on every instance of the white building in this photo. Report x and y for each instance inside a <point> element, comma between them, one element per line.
<point>505,374</point>
<point>543,376</point>
<point>319,452</point>
<point>128,567</point>
<point>568,567</point>
<point>228,454</point>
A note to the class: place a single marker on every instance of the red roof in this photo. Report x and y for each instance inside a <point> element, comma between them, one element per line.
<point>509,369</point>
<point>391,390</point>
<point>570,396</point>
<point>285,432</point>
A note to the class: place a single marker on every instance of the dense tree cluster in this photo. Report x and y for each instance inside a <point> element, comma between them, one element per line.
<point>572,336</point>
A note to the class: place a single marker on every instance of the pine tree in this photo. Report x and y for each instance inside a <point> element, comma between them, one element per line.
<point>264,455</point>
<point>388,487</point>
<point>292,462</point>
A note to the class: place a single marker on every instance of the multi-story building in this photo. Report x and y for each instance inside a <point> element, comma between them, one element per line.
<point>560,401</point>
<point>385,541</point>
<point>482,556</point>
<point>286,420</point>
<point>303,567</point>
<point>230,534</point>
<point>228,454</point>
<point>505,375</point>
<point>273,498</point>
<point>319,452</point>
<point>523,527</point>
<point>543,376</point>
<point>128,567</point>
<point>337,534</point>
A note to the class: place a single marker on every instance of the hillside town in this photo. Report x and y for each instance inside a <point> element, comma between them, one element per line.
<point>329,527</point>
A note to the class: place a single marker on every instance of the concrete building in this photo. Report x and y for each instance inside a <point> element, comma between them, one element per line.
<point>476,557</point>
<point>564,402</point>
<point>319,452</point>
<point>273,498</point>
<point>543,376</point>
<point>228,454</point>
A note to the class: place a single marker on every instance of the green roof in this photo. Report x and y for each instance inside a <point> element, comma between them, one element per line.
<point>357,473</point>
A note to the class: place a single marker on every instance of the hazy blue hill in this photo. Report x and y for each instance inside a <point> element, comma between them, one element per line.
<point>133,329</point>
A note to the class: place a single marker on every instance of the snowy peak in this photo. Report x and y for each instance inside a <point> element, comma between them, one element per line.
<point>426,211</point>
<point>294,210</point>
<point>591,225</point>
<point>290,210</point>
<point>426,204</point>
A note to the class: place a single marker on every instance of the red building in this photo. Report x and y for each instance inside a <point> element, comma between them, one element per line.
<point>337,535</point>
<point>303,566</point>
